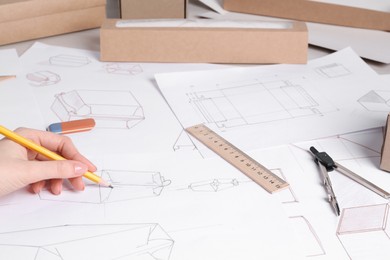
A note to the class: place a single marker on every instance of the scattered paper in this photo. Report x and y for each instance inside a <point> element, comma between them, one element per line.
<point>263,106</point>
<point>9,64</point>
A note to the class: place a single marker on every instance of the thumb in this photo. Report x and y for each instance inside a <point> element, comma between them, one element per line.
<point>44,170</point>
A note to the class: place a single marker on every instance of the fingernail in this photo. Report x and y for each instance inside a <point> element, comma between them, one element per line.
<point>80,168</point>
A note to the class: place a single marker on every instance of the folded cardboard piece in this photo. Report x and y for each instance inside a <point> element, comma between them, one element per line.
<point>385,155</point>
<point>209,41</point>
<point>152,9</point>
<point>314,11</point>
<point>23,20</point>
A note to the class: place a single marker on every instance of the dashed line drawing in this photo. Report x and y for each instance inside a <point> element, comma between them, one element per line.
<point>213,185</point>
<point>110,109</point>
<point>358,225</point>
<point>333,70</point>
<point>43,78</point>
<point>310,240</point>
<point>254,102</point>
<point>66,60</point>
<point>376,100</point>
<point>137,241</point>
<point>127,185</point>
<point>123,68</point>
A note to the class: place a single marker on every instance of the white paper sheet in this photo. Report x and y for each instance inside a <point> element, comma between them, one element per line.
<point>123,99</point>
<point>272,105</point>
<point>9,64</point>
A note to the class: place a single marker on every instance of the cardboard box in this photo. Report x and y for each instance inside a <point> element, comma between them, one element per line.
<point>385,155</point>
<point>23,20</point>
<point>313,11</point>
<point>153,9</point>
<point>194,42</point>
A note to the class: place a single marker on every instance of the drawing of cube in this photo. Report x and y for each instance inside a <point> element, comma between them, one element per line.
<point>364,232</point>
<point>69,60</point>
<point>128,185</point>
<point>43,78</point>
<point>110,109</point>
<point>376,100</point>
<point>98,242</point>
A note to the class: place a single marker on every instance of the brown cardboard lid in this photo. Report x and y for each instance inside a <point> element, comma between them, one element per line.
<point>12,10</point>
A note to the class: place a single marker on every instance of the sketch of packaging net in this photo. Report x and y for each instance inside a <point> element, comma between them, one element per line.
<point>376,100</point>
<point>110,109</point>
<point>123,68</point>
<point>128,185</point>
<point>98,242</point>
<point>66,60</point>
<point>253,102</point>
<point>364,232</point>
<point>43,78</point>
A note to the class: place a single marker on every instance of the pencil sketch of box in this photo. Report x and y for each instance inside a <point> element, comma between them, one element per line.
<point>253,102</point>
<point>69,60</point>
<point>214,185</point>
<point>110,109</point>
<point>364,232</point>
<point>43,78</point>
<point>123,68</point>
<point>98,242</point>
<point>376,100</point>
<point>128,185</point>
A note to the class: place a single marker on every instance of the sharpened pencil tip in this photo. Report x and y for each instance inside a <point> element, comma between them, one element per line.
<point>110,186</point>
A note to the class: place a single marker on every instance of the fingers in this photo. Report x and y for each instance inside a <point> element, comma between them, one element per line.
<point>63,145</point>
<point>45,170</point>
<point>57,184</point>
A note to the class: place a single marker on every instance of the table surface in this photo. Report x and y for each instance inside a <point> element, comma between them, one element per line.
<point>89,39</point>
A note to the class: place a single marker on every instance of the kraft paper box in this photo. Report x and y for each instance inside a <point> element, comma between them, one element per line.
<point>314,11</point>
<point>210,41</point>
<point>385,156</point>
<point>32,19</point>
<point>153,9</point>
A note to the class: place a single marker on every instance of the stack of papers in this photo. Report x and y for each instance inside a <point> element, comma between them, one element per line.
<point>172,198</point>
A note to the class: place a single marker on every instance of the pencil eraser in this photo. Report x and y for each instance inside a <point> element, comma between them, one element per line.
<point>74,126</point>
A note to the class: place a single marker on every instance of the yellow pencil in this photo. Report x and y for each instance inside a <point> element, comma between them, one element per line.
<point>49,154</point>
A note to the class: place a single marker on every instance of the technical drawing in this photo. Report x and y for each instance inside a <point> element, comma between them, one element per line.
<point>333,70</point>
<point>254,102</point>
<point>358,225</point>
<point>183,142</point>
<point>286,195</point>
<point>110,109</point>
<point>376,100</point>
<point>66,60</point>
<point>43,78</point>
<point>310,241</point>
<point>214,185</point>
<point>123,68</point>
<point>128,185</point>
<point>115,241</point>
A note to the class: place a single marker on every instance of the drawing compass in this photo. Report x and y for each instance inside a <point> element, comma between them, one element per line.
<point>327,164</point>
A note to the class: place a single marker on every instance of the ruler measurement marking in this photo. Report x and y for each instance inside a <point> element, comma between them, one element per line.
<point>250,167</point>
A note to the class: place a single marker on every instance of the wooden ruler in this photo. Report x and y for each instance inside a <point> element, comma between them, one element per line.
<point>251,168</point>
